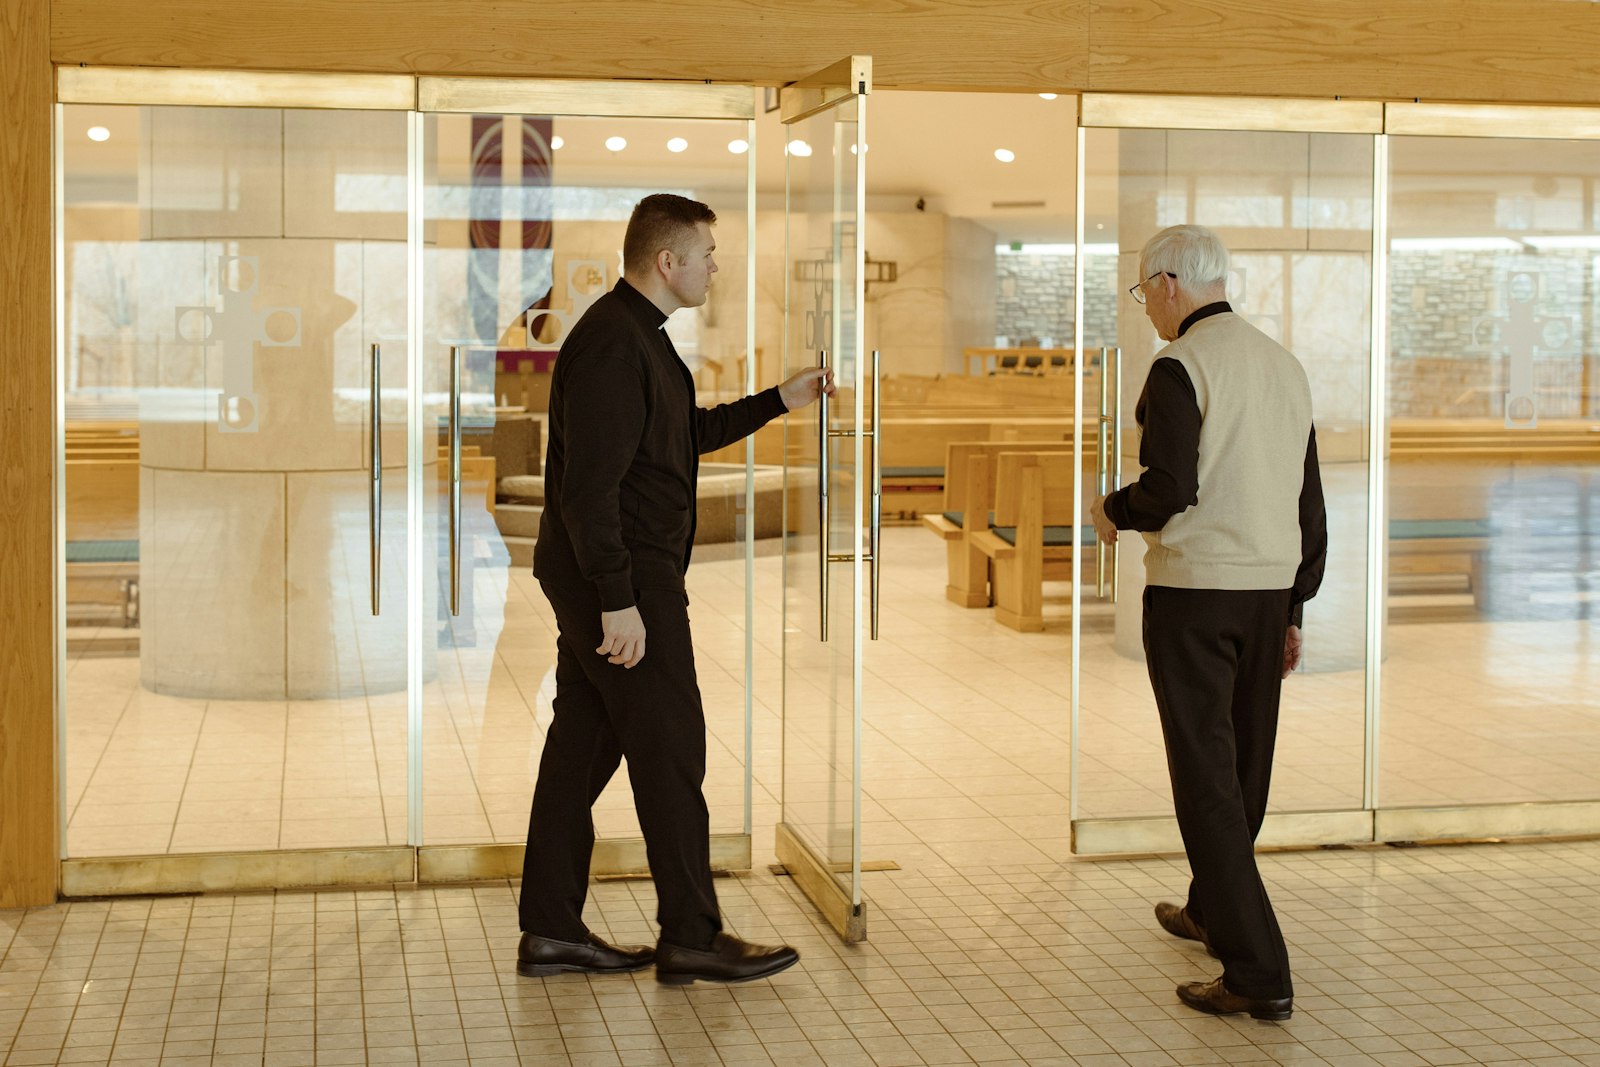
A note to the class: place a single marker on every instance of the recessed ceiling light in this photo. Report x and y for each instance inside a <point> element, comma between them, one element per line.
<point>616,144</point>
<point>738,146</point>
<point>677,144</point>
<point>864,148</point>
<point>1004,155</point>
<point>556,141</point>
<point>798,148</point>
<point>1099,225</point>
<point>1047,96</point>
<point>99,133</point>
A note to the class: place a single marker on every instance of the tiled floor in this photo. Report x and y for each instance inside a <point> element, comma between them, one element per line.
<point>1472,954</point>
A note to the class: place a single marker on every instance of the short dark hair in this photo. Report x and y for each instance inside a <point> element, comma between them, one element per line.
<point>661,220</point>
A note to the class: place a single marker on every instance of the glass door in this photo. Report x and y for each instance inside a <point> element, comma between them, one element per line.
<point>830,541</point>
<point>234,373</point>
<point>528,187</point>
<point>1289,188</point>
<point>1492,538</point>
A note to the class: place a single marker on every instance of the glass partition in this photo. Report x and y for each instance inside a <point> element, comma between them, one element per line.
<point>1493,466</point>
<point>1295,210</point>
<point>235,524</point>
<point>524,221</point>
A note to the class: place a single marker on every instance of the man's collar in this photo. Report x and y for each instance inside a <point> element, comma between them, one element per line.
<point>641,306</point>
<point>1202,313</point>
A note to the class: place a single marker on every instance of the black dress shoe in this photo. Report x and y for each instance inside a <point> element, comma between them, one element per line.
<point>1214,997</point>
<point>1175,920</point>
<point>727,960</point>
<point>538,957</point>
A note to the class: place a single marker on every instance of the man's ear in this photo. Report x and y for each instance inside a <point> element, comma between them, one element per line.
<point>664,261</point>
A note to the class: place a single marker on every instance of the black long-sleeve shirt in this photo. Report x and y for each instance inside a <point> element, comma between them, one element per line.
<point>1168,414</point>
<point>624,452</point>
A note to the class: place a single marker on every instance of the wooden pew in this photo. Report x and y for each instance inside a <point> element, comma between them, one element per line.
<point>1031,538</point>
<point>969,497</point>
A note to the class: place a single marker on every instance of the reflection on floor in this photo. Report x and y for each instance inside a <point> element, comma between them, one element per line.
<point>965,746</point>
<point>1402,957</point>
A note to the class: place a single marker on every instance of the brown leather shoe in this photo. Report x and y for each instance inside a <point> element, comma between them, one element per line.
<point>1214,997</point>
<point>727,960</point>
<point>1175,920</point>
<point>539,957</point>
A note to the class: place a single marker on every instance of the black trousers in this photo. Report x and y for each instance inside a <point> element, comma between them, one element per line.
<point>650,714</point>
<point>1216,663</point>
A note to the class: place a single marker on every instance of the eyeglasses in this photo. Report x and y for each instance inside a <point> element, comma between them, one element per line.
<point>1137,291</point>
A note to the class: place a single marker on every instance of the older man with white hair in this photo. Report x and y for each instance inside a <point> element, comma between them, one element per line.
<point>1230,505</point>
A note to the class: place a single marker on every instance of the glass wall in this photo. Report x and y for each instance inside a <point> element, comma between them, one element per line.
<point>524,220</point>
<point>1493,467</point>
<point>236,674</point>
<point>1295,210</point>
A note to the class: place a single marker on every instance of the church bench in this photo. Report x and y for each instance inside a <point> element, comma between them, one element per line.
<point>1030,537</point>
<point>970,490</point>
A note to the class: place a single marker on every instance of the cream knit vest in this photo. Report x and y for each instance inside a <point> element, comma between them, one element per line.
<point>1255,411</point>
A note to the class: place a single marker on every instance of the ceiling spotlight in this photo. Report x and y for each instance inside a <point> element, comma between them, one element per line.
<point>798,148</point>
<point>738,146</point>
<point>1047,96</point>
<point>864,148</point>
<point>677,144</point>
<point>616,144</point>
<point>1004,155</point>
<point>556,141</point>
<point>99,133</point>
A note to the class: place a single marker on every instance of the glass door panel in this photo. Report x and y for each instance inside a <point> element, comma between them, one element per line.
<point>1493,471</point>
<point>827,547</point>
<point>235,525</point>
<point>1295,211</point>
<point>523,231</point>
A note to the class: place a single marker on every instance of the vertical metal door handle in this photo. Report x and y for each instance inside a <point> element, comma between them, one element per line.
<point>876,539</point>
<point>1116,448</point>
<point>823,427</point>
<point>375,494</point>
<point>455,479</point>
<point>1102,469</point>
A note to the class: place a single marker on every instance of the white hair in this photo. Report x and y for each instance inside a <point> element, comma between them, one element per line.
<point>1195,254</point>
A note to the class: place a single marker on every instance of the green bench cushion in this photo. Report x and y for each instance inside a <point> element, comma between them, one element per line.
<point>102,552</point>
<point>1428,529</point>
<point>1054,536</point>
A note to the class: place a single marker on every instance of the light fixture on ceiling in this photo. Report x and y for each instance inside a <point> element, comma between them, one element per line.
<point>1004,155</point>
<point>1047,96</point>
<point>556,141</point>
<point>99,133</point>
<point>738,146</point>
<point>864,148</point>
<point>799,148</point>
<point>616,144</point>
<point>677,144</point>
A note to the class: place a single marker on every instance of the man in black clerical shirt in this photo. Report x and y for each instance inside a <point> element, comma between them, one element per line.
<point>614,541</point>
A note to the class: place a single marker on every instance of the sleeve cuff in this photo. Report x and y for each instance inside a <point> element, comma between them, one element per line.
<point>1115,509</point>
<point>1297,613</point>
<point>616,593</point>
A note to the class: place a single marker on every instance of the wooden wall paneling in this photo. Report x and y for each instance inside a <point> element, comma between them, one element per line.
<point>1467,50</point>
<point>28,861</point>
<point>970,44</point>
